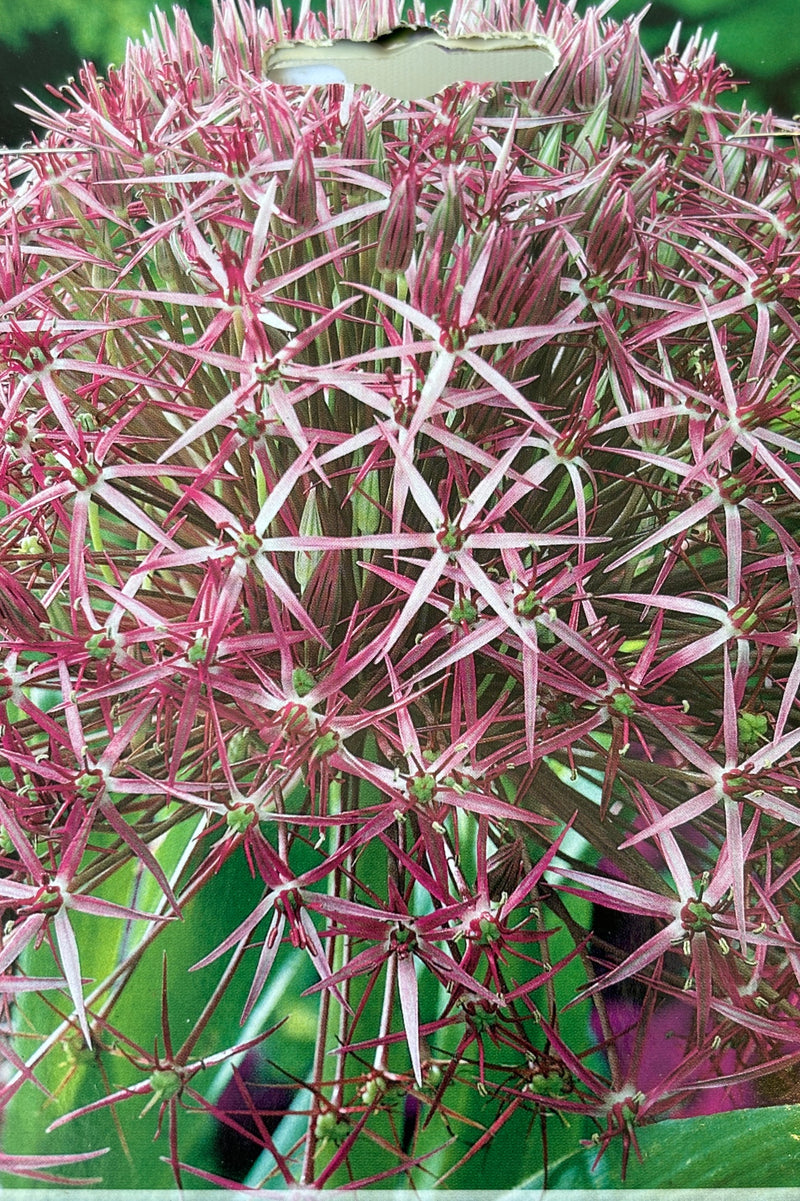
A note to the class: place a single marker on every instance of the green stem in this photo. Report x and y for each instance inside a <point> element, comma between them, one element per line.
<point>96,534</point>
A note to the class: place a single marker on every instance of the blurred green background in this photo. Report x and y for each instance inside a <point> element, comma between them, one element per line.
<point>44,41</point>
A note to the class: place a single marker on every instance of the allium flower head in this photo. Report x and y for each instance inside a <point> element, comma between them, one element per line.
<point>393,492</point>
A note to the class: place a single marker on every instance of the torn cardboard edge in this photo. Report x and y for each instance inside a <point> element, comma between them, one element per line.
<point>412,64</point>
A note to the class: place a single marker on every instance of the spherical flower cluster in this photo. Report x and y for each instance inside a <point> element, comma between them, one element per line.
<point>399,513</point>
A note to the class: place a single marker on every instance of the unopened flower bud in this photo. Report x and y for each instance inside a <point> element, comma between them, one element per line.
<point>584,204</point>
<point>591,77</point>
<point>299,199</point>
<point>279,128</point>
<point>610,236</point>
<point>552,94</point>
<point>466,119</point>
<point>354,137</point>
<point>626,86</point>
<point>306,561</point>
<point>644,188</point>
<point>396,236</point>
<point>448,215</point>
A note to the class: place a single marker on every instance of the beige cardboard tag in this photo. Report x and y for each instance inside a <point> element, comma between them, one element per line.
<point>411,64</point>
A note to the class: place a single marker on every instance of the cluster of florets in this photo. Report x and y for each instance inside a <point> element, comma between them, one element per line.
<point>400,503</point>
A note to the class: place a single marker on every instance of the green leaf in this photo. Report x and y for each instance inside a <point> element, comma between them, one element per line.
<point>750,1148</point>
